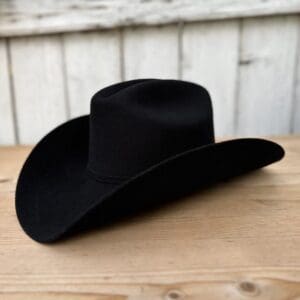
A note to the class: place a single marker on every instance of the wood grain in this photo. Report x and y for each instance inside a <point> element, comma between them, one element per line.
<point>19,17</point>
<point>92,61</point>
<point>151,52</point>
<point>267,75</point>
<point>37,71</point>
<point>204,63</point>
<point>7,130</point>
<point>237,240</point>
<point>295,124</point>
<point>255,89</point>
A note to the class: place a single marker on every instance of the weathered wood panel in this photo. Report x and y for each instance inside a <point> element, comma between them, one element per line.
<point>210,58</point>
<point>39,85</point>
<point>266,83</point>
<point>7,131</point>
<point>295,121</point>
<point>39,17</point>
<point>254,92</point>
<point>151,52</point>
<point>92,61</point>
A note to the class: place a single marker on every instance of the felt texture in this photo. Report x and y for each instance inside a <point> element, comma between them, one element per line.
<point>145,142</point>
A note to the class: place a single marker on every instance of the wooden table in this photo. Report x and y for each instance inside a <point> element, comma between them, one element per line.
<point>237,240</point>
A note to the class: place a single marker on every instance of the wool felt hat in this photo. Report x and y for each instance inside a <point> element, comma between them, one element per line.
<point>144,141</point>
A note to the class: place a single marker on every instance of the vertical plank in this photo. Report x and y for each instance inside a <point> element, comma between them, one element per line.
<point>267,65</point>
<point>295,124</point>
<point>39,85</point>
<point>210,58</point>
<point>7,134</point>
<point>296,109</point>
<point>151,52</point>
<point>92,61</point>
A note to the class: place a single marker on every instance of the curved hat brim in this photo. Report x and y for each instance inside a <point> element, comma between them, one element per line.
<point>55,197</point>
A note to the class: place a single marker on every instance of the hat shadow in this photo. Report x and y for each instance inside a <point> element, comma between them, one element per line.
<point>115,214</point>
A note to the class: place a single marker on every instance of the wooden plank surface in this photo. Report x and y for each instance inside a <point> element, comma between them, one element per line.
<point>37,71</point>
<point>92,61</point>
<point>210,57</point>
<point>236,240</point>
<point>267,75</point>
<point>7,130</point>
<point>151,52</point>
<point>18,17</point>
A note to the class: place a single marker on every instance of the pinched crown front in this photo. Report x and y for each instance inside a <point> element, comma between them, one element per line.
<point>137,124</point>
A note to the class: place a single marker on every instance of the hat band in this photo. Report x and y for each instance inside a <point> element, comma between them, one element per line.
<point>104,178</point>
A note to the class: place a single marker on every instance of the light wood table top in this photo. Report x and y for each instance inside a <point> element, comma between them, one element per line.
<point>236,240</point>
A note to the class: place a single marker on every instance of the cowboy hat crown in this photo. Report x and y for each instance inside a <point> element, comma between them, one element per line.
<point>146,125</point>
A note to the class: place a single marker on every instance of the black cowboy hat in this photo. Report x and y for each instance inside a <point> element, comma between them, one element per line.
<point>144,141</point>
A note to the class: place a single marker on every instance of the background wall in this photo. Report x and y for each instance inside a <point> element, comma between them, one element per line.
<point>54,55</point>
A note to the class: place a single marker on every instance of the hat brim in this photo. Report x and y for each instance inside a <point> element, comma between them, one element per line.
<point>55,197</point>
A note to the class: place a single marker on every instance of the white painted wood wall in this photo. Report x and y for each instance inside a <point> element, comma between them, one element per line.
<point>247,57</point>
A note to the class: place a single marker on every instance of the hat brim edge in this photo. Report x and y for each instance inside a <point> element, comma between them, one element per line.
<point>196,167</point>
